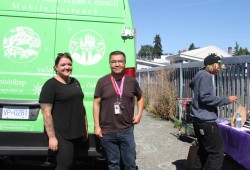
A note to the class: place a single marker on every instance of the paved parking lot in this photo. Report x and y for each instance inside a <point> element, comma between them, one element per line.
<point>158,146</point>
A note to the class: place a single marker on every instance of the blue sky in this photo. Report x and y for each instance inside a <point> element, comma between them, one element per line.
<point>182,22</point>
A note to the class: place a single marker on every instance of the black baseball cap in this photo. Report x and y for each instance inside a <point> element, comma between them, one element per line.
<point>211,59</point>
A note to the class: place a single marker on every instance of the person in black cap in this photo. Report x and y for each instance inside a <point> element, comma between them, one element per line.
<point>212,61</point>
<point>204,113</point>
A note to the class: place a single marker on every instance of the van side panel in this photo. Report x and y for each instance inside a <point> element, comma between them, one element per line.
<point>26,63</point>
<point>32,33</point>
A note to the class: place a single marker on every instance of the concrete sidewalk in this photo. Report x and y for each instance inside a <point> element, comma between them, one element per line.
<point>158,146</point>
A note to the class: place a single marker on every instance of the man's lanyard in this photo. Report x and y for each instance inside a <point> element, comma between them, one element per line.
<point>118,89</point>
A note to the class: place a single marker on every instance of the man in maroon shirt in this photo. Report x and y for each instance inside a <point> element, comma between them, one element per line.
<point>113,113</point>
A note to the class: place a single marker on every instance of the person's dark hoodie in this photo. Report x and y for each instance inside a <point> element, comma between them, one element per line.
<point>204,102</point>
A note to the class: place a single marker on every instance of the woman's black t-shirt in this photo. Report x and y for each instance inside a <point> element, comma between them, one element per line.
<point>68,111</point>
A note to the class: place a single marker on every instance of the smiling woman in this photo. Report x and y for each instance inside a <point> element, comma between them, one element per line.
<point>63,67</point>
<point>63,112</point>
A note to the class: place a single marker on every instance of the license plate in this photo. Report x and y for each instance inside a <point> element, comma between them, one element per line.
<point>15,112</point>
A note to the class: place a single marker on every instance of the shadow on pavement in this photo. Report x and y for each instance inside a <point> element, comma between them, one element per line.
<point>86,164</point>
<point>228,164</point>
<point>180,164</point>
<point>188,139</point>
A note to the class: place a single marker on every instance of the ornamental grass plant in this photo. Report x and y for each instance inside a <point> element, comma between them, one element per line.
<point>160,94</point>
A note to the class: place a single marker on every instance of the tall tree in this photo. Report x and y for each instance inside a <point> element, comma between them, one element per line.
<point>146,51</point>
<point>192,47</point>
<point>236,49</point>
<point>157,49</point>
<point>243,51</point>
<point>247,52</point>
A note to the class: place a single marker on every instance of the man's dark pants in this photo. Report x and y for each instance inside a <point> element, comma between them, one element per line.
<point>120,145</point>
<point>210,144</point>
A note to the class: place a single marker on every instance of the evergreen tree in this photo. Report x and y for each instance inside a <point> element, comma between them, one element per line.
<point>243,51</point>
<point>157,49</point>
<point>192,47</point>
<point>236,49</point>
<point>247,52</point>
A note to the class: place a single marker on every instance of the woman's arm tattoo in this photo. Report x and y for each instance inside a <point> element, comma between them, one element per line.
<point>47,118</point>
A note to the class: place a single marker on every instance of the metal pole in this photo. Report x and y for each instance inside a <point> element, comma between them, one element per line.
<point>181,89</point>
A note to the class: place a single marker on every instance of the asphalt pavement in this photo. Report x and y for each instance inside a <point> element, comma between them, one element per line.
<point>159,146</point>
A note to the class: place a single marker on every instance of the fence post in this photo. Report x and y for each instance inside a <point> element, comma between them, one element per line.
<point>148,83</point>
<point>181,89</point>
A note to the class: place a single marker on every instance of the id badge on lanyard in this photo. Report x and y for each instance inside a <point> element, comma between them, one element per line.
<point>118,107</point>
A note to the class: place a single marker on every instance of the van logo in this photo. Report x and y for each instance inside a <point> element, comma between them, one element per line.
<point>87,47</point>
<point>21,45</point>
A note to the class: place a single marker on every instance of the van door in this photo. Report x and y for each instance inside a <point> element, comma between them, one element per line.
<point>27,56</point>
<point>90,30</point>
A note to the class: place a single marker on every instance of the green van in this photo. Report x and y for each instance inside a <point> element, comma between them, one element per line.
<point>32,32</point>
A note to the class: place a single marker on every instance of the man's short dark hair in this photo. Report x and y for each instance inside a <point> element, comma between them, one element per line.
<point>117,53</point>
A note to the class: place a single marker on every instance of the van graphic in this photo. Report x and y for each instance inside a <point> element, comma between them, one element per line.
<point>21,44</point>
<point>87,47</point>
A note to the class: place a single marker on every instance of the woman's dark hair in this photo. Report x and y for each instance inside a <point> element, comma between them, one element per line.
<point>62,55</point>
